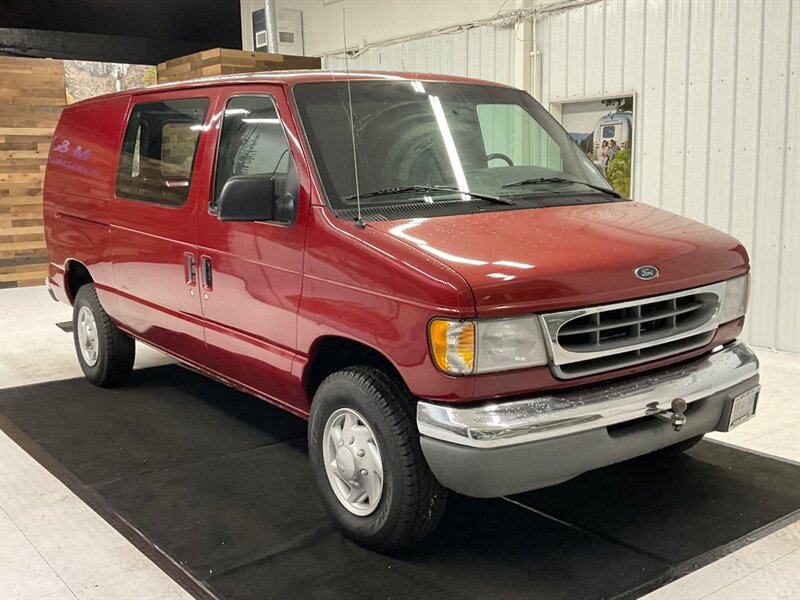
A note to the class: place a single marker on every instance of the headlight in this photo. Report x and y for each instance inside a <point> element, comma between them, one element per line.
<point>466,347</point>
<point>737,295</point>
<point>513,343</point>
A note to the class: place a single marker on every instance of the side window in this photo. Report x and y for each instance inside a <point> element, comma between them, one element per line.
<point>509,130</point>
<point>252,142</point>
<point>158,151</point>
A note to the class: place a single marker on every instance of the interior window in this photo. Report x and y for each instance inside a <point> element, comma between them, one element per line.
<point>178,141</point>
<point>252,142</point>
<point>159,149</point>
<point>511,133</point>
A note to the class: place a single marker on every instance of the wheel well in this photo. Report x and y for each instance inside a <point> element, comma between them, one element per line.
<point>335,353</point>
<point>77,275</point>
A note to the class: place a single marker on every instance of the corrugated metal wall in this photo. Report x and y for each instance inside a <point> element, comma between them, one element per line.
<point>483,52</point>
<point>717,107</point>
<point>716,121</point>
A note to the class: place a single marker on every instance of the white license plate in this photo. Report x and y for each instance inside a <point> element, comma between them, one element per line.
<point>743,408</point>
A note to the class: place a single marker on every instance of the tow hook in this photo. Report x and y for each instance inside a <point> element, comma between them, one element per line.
<point>675,416</point>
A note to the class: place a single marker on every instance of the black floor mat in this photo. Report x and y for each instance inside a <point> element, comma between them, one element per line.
<point>220,482</point>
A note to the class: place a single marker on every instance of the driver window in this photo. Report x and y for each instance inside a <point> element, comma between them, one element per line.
<point>252,142</point>
<point>512,134</point>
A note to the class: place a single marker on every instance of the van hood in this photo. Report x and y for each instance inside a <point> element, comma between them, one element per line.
<point>571,256</point>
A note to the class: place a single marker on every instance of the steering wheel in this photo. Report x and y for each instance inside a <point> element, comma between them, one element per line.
<point>501,156</point>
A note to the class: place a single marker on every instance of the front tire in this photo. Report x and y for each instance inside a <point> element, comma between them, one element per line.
<point>365,455</point>
<point>105,353</point>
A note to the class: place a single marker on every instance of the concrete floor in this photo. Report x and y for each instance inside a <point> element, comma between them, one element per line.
<point>52,545</point>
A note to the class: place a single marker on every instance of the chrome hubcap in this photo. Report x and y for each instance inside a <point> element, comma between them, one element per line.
<point>353,461</point>
<point>87,336</point>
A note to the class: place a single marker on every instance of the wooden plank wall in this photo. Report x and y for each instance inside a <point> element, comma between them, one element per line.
<point>223,61</point>
<point>32,95</point>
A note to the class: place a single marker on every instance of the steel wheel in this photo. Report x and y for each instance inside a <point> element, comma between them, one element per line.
<point>87,336</point>
<point>353,461</point>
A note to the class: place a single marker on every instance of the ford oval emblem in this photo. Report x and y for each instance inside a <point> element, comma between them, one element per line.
<point>646,272</point>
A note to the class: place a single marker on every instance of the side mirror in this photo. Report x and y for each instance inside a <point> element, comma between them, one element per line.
<point>247,198</point>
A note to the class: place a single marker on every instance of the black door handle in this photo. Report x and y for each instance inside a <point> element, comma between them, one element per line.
<point>190,268</point>
<point>206,270</point>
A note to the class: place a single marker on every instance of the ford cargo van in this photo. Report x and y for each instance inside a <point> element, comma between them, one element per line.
<point>426,268</point>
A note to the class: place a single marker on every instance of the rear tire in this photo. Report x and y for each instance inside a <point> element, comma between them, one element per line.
<point>362,427</point>
<point>105,353</point>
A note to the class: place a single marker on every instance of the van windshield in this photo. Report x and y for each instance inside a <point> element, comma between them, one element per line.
<point>414,136</point>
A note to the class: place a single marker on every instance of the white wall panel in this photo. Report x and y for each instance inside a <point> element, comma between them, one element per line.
<point>717,104</point>
<point>698,115</point>
<point>615,45</point>
<point>721,122</point>
<point>596,46</point>
<point>769,175</point>
<point>788,290</point>
<point>633,70</point>
<point>676,110</point>
<point>576,54</point>
<point>651,101</point>
<point>543,33</point>
<point>554,57</point>
<point>482,52</point>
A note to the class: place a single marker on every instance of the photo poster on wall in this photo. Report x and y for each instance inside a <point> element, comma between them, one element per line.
<point>86,79</point>
<point>603,128</point>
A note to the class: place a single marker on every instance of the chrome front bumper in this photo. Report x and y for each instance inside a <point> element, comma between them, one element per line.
<point>564,413</point>
<point>506,447</point>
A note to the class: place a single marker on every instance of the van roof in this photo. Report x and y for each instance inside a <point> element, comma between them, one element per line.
<point>290,78</point>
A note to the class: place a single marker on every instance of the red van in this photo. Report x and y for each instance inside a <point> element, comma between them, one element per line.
<point>426,268</point>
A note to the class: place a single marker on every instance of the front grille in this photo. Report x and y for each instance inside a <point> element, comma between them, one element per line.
<point>597,339</point>
<point>631,325</point>
<point>634,357</point>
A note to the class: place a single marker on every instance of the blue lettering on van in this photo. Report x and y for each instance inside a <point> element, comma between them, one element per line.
<point>64,146</point>
<point>72,166</point>
<point>78,152</point>
<point>82,154</point>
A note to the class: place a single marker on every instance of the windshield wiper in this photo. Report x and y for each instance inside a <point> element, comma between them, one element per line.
<point>433,189</point>
<point>562,180</point>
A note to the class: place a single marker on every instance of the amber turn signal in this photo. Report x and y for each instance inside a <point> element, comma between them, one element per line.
<point>453,345</point>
